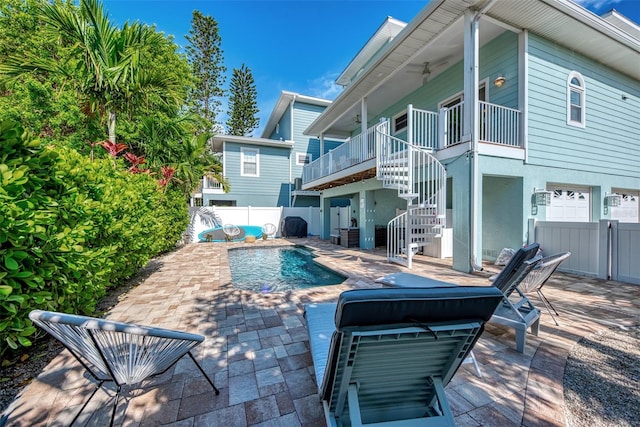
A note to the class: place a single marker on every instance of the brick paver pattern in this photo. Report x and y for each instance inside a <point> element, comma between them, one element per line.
<point>257,348</point>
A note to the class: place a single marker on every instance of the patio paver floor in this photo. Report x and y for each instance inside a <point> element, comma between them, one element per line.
<point>257,351</point>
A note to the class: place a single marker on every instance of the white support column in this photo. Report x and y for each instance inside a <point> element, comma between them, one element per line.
<point>363,115</point>
<point>523,91</point>
<point>471,128</point>
<point>410,124</point>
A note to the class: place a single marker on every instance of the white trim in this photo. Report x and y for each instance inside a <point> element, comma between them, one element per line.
<point>581,90</point>
<point>242,161</point>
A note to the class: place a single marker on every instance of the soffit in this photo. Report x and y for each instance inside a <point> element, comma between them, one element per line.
<point>574,27</point>
<point>435,36</point>
<point>432,20</point>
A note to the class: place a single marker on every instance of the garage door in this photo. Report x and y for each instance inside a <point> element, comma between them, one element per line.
<point>570,204</point>
<point>629,209</point>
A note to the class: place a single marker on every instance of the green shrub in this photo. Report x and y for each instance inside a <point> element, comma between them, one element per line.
<point>71,227</point>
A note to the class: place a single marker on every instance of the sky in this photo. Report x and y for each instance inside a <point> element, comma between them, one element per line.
<point>295,45</point>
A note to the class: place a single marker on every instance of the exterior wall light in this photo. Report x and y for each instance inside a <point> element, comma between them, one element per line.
<point>612,200</point>
<point>541,197</point>
<point>499,81</point>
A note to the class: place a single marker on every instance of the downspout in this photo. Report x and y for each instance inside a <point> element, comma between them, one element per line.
<point>473,37</point>
<point>293,100</point>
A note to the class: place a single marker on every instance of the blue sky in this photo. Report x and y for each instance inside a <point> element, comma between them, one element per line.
<point>296,45</point>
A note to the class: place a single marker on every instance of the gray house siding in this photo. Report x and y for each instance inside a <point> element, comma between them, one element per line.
<point>609,142</point>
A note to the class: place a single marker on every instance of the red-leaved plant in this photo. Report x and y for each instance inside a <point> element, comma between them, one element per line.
<point>135,162</point>
<point>113,148</point>
<point>167,174</point>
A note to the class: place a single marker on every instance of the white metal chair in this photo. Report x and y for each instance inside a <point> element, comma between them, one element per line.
<point>269,230</point>
<point>537,277</point>
<point>230,231</point>
<point>122,353</point>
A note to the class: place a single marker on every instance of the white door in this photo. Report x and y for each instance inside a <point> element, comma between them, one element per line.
<point>569,204</point>
<point>629,209</point>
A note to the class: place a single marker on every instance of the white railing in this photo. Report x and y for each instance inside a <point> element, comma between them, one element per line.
<point>499,125</point>
<point>211,186</point>
<point>423,128</point>
<point>420,179</point>
<point>451,125</point>
<point>358,149</point>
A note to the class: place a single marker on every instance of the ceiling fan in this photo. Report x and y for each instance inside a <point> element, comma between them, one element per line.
<point>426,69</point>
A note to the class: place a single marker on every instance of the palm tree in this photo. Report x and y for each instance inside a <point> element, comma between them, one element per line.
<point>104,61</point>
<point>196,161</point>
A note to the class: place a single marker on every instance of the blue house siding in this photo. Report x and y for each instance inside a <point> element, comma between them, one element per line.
<point>270,188</point>
<point>283,130</point>
<point>609,143</point>
<point>498,57</point>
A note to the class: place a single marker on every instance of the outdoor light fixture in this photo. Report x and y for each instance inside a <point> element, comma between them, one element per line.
<point>358,119</point>
<point>499,81</point>
<point>542,197</point>
<point>612,200</point>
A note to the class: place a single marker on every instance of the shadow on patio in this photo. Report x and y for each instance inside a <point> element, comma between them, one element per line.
<point>257,348</point>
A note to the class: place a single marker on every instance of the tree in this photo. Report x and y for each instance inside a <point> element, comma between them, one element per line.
<point>206,58</point>
<point>104,63</point>
<point>242,103</point>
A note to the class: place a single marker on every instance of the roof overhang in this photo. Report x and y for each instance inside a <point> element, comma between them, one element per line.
<point>385,33</point>
<point>283,103</point>
<point>218,141</point>
<point>435,36</point>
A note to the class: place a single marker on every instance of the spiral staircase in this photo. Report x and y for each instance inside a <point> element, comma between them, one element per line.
<point>420,179</point>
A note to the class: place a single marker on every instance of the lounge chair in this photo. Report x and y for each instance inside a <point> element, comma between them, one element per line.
<point>516,311</point>
<point>537,278</point>
<point>383,356</point>
<point>122,353</point>
<point>269,230</point>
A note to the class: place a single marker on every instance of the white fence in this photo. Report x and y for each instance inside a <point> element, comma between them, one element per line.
<point>259,216</point>
<point>606,249</point>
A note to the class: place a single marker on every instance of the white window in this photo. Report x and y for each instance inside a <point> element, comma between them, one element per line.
<point>400,122</point>
<point>249,162</point>
<point>576,114</point>
<point>303,159</point>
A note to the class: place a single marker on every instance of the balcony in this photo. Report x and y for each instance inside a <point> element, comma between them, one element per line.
<point>211,186</point>
<point>354,160</point>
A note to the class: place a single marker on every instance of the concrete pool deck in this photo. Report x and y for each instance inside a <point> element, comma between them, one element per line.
<point>257,351</point>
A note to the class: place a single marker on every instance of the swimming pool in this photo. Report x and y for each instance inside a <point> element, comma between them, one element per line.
<point>217,235</point>
<point>277,269</point>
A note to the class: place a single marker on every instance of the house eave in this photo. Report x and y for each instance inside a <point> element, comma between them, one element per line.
<point>617,49</point>
<point>283,103</point>
<point>218,141</point>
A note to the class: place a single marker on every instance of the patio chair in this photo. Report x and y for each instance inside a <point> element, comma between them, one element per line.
<point>122,353</point>
<point>537,278</point>
<point>383,356</point>
<point>269,230</point>
<point>516,311</point>
<point>230,231</point>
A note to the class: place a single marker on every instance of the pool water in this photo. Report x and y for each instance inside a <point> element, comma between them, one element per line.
<point>277,269</point>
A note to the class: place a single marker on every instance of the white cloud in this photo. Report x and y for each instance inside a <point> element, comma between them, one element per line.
<point>597,4</point>
<point>325,87</point>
